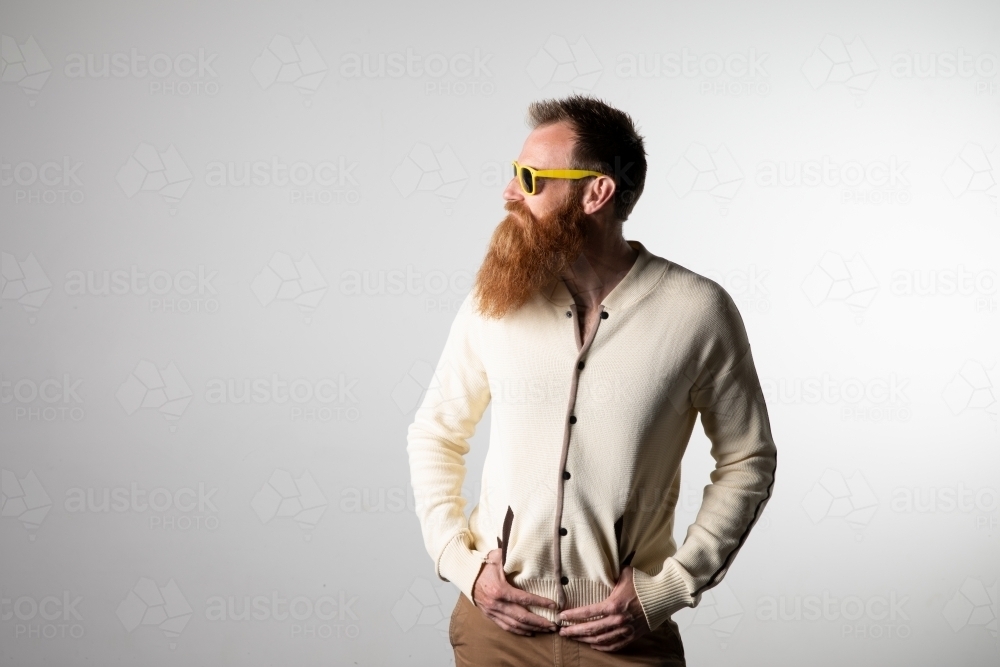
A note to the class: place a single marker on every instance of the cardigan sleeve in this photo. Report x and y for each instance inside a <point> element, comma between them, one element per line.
<point>437,442</point>
<point>727,394</point>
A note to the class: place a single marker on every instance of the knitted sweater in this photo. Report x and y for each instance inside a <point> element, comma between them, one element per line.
<point>582,473</point>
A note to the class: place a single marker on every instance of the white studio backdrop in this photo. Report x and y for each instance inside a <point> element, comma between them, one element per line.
<point>234,237</point>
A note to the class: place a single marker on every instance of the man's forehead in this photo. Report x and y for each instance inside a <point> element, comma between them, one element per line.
<point>548,146</point>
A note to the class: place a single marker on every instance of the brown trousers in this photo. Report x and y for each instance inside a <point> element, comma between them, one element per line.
<point>479,642</point>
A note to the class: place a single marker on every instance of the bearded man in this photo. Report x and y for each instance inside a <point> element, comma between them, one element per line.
<point>598,357</point>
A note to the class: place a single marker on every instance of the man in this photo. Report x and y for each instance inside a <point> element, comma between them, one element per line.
<point>598,357</point>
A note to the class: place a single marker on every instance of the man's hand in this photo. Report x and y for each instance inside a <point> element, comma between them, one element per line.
<point>505,605</point>
<point>621,618</point>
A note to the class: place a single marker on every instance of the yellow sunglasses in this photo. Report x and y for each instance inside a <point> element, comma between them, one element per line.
<point>528,177</point>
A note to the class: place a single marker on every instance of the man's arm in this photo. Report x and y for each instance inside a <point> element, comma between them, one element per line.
<point>437,442</point>
<point>727,393</point>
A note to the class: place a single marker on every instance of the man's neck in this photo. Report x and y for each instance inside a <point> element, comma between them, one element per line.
<point>597,271</point>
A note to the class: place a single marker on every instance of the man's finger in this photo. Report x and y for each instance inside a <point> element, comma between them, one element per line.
<point>591,628</point>
<point>517,596</point>
<point>525,617</point>
<point>583,613</point>
<point>616,645</point>
<point>512,624</point>
<point>613,647</point>
<point>606,638</point>
<point>505,624</point>
<point>508,625</point>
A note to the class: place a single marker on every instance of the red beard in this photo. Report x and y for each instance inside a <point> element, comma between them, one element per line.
<point>526,253</point>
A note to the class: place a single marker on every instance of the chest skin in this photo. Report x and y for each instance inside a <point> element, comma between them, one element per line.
<point>587,320</point>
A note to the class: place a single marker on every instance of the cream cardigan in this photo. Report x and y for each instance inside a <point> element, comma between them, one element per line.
<point>582,473</point>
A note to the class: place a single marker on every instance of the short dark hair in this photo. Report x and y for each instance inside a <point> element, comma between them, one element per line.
<point>606,141</point>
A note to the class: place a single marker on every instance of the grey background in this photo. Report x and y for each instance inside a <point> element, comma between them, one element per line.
<point>843,189</point>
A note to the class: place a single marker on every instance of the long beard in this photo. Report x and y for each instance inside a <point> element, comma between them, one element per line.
<point>526,253</point>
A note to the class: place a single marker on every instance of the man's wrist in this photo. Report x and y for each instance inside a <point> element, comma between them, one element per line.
<point>661,595</point>
<point>461,565</point>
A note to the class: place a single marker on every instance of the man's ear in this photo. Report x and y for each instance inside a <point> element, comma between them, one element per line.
<point>598,193</point>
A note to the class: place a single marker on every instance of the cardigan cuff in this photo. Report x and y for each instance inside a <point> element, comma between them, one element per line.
<point>661,595</point>
<point>461,565</point>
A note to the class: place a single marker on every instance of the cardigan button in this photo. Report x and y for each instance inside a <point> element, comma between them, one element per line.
<point>572,419</point>
<point>604,315</point>
<point>563,532</point>
<point>564,580</point>
<point>566,474</point>
<point>569,313</point>
<point>580,366</point>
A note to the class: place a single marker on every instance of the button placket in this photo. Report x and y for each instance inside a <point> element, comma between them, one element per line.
<point>561,531</point>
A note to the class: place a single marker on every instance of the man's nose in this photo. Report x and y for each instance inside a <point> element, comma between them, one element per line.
<point>513,191</point>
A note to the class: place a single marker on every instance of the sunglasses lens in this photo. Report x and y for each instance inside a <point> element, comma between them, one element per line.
<point>527,182</point>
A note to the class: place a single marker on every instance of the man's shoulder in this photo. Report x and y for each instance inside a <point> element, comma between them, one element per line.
<point>701,294</point>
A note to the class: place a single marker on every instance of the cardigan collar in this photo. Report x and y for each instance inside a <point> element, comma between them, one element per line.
<point>644,274</point>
